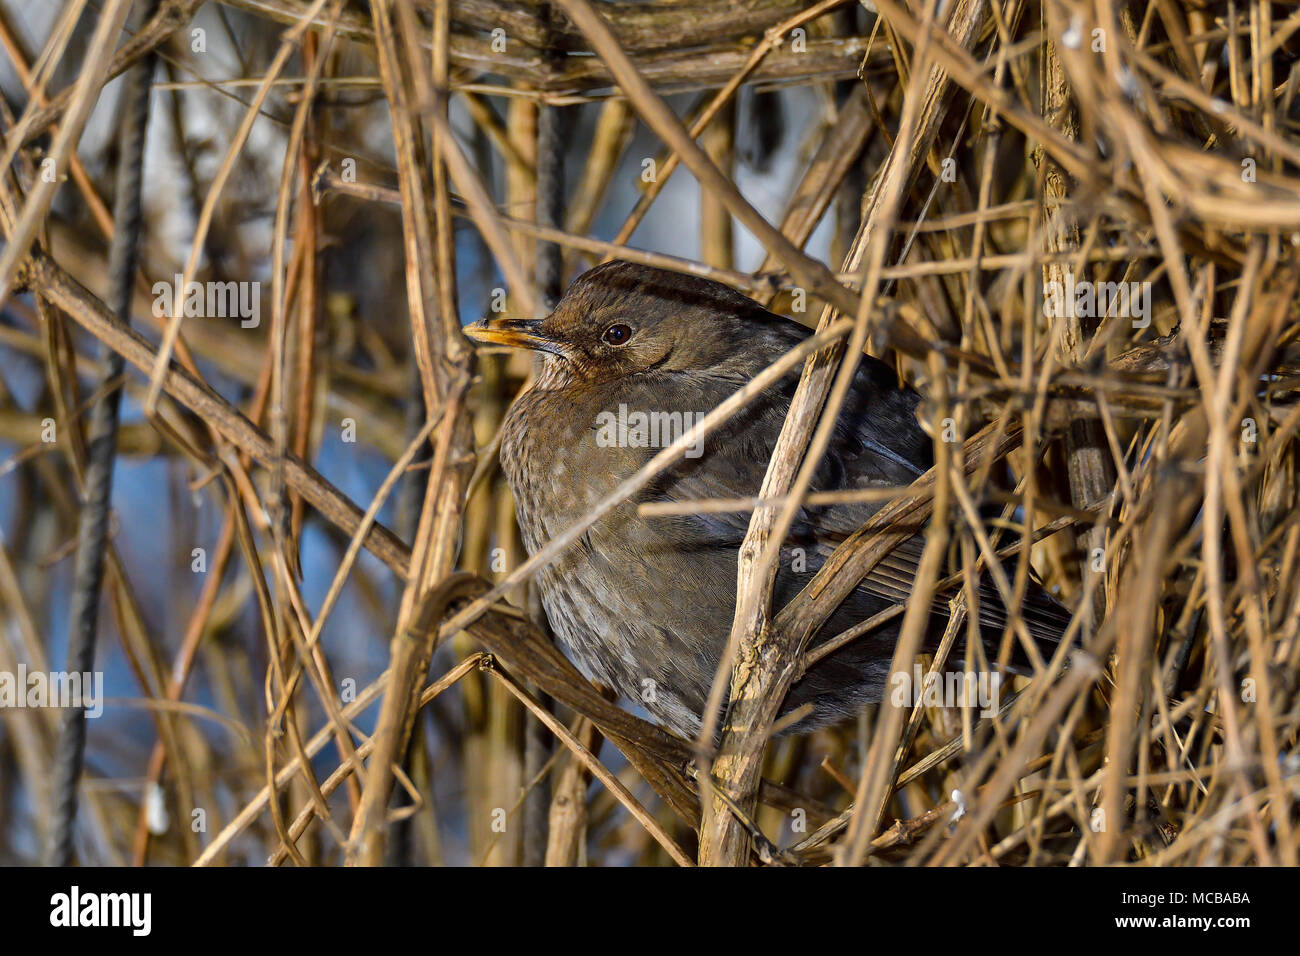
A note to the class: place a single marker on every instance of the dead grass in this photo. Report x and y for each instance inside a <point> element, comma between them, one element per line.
<point>306,703</point>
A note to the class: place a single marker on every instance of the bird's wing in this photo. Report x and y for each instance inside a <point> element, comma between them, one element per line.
<point>877,443</point>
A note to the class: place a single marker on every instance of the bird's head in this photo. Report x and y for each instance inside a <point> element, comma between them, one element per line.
<point>622,319</point>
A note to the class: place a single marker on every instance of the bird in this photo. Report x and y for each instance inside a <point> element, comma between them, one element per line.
<point>631,355</point>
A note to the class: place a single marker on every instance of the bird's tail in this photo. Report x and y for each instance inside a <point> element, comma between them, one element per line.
<point>1045,619</point>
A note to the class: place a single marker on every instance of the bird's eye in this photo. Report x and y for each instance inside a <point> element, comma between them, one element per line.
<point>617,334</point>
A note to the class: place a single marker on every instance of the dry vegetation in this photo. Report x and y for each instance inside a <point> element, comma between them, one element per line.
<point>343,671</point>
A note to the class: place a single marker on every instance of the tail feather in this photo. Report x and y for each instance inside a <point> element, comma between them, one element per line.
<point>1045,619</point>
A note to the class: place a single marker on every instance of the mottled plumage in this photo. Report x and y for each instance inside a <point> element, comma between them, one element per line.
<point>644,605</point>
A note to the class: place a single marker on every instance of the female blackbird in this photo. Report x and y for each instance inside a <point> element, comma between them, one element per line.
<point>632,357</point>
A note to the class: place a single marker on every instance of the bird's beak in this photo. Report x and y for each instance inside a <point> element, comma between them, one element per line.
<point>516,333</point>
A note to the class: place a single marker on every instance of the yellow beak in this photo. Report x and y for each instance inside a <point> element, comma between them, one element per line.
<point>515,333</point>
